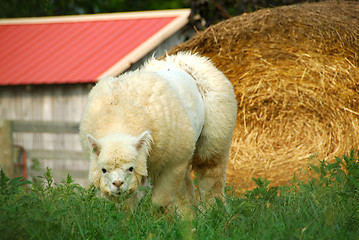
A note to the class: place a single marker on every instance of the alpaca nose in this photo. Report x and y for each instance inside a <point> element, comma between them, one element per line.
<point>117,183</point>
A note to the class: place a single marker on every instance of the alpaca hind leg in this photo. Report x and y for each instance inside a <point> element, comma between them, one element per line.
<point>211,178</point>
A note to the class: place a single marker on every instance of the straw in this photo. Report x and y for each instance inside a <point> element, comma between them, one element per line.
<point>295,71</point>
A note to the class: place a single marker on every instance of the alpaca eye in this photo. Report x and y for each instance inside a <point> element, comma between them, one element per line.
<point>104,170</point>
<point>130,169</point>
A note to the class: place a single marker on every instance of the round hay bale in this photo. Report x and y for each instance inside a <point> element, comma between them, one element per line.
<point>295,71</point>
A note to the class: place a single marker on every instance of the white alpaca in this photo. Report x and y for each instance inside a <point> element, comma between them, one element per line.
<point>158,122</point>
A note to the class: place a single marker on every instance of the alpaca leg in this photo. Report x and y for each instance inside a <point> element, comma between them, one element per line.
<point>211,178</point>
<point>174,187</point>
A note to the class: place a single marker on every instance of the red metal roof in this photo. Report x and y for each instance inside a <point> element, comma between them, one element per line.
<point>78,49</point>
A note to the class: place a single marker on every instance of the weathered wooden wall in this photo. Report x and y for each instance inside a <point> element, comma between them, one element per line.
<point>51,103</point>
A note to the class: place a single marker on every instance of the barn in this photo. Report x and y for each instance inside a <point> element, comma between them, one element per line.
<point>49,64</point>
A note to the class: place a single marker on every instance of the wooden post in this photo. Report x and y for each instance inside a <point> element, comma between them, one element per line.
<point>6,149</point>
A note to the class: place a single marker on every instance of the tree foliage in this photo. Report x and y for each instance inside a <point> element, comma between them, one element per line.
<point>208,12</point>
<point>204,12</point>
<point>35,8</point>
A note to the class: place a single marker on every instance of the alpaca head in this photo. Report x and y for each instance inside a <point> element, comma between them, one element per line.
<point>119,162</point>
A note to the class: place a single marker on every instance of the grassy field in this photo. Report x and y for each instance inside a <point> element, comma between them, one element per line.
<point>325,207</point>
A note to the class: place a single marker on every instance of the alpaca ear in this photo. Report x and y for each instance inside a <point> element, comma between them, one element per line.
<point>144,141</point>
<point>94,146</point>
<point>143,146</point>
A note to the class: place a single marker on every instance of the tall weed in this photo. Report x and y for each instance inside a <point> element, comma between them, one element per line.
<point>324,207</point>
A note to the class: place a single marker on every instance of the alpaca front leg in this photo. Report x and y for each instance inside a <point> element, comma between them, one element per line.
<point>132,202</point>
<point>174,187</point>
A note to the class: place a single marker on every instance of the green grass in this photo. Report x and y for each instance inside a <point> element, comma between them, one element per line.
<point>326,207</point>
